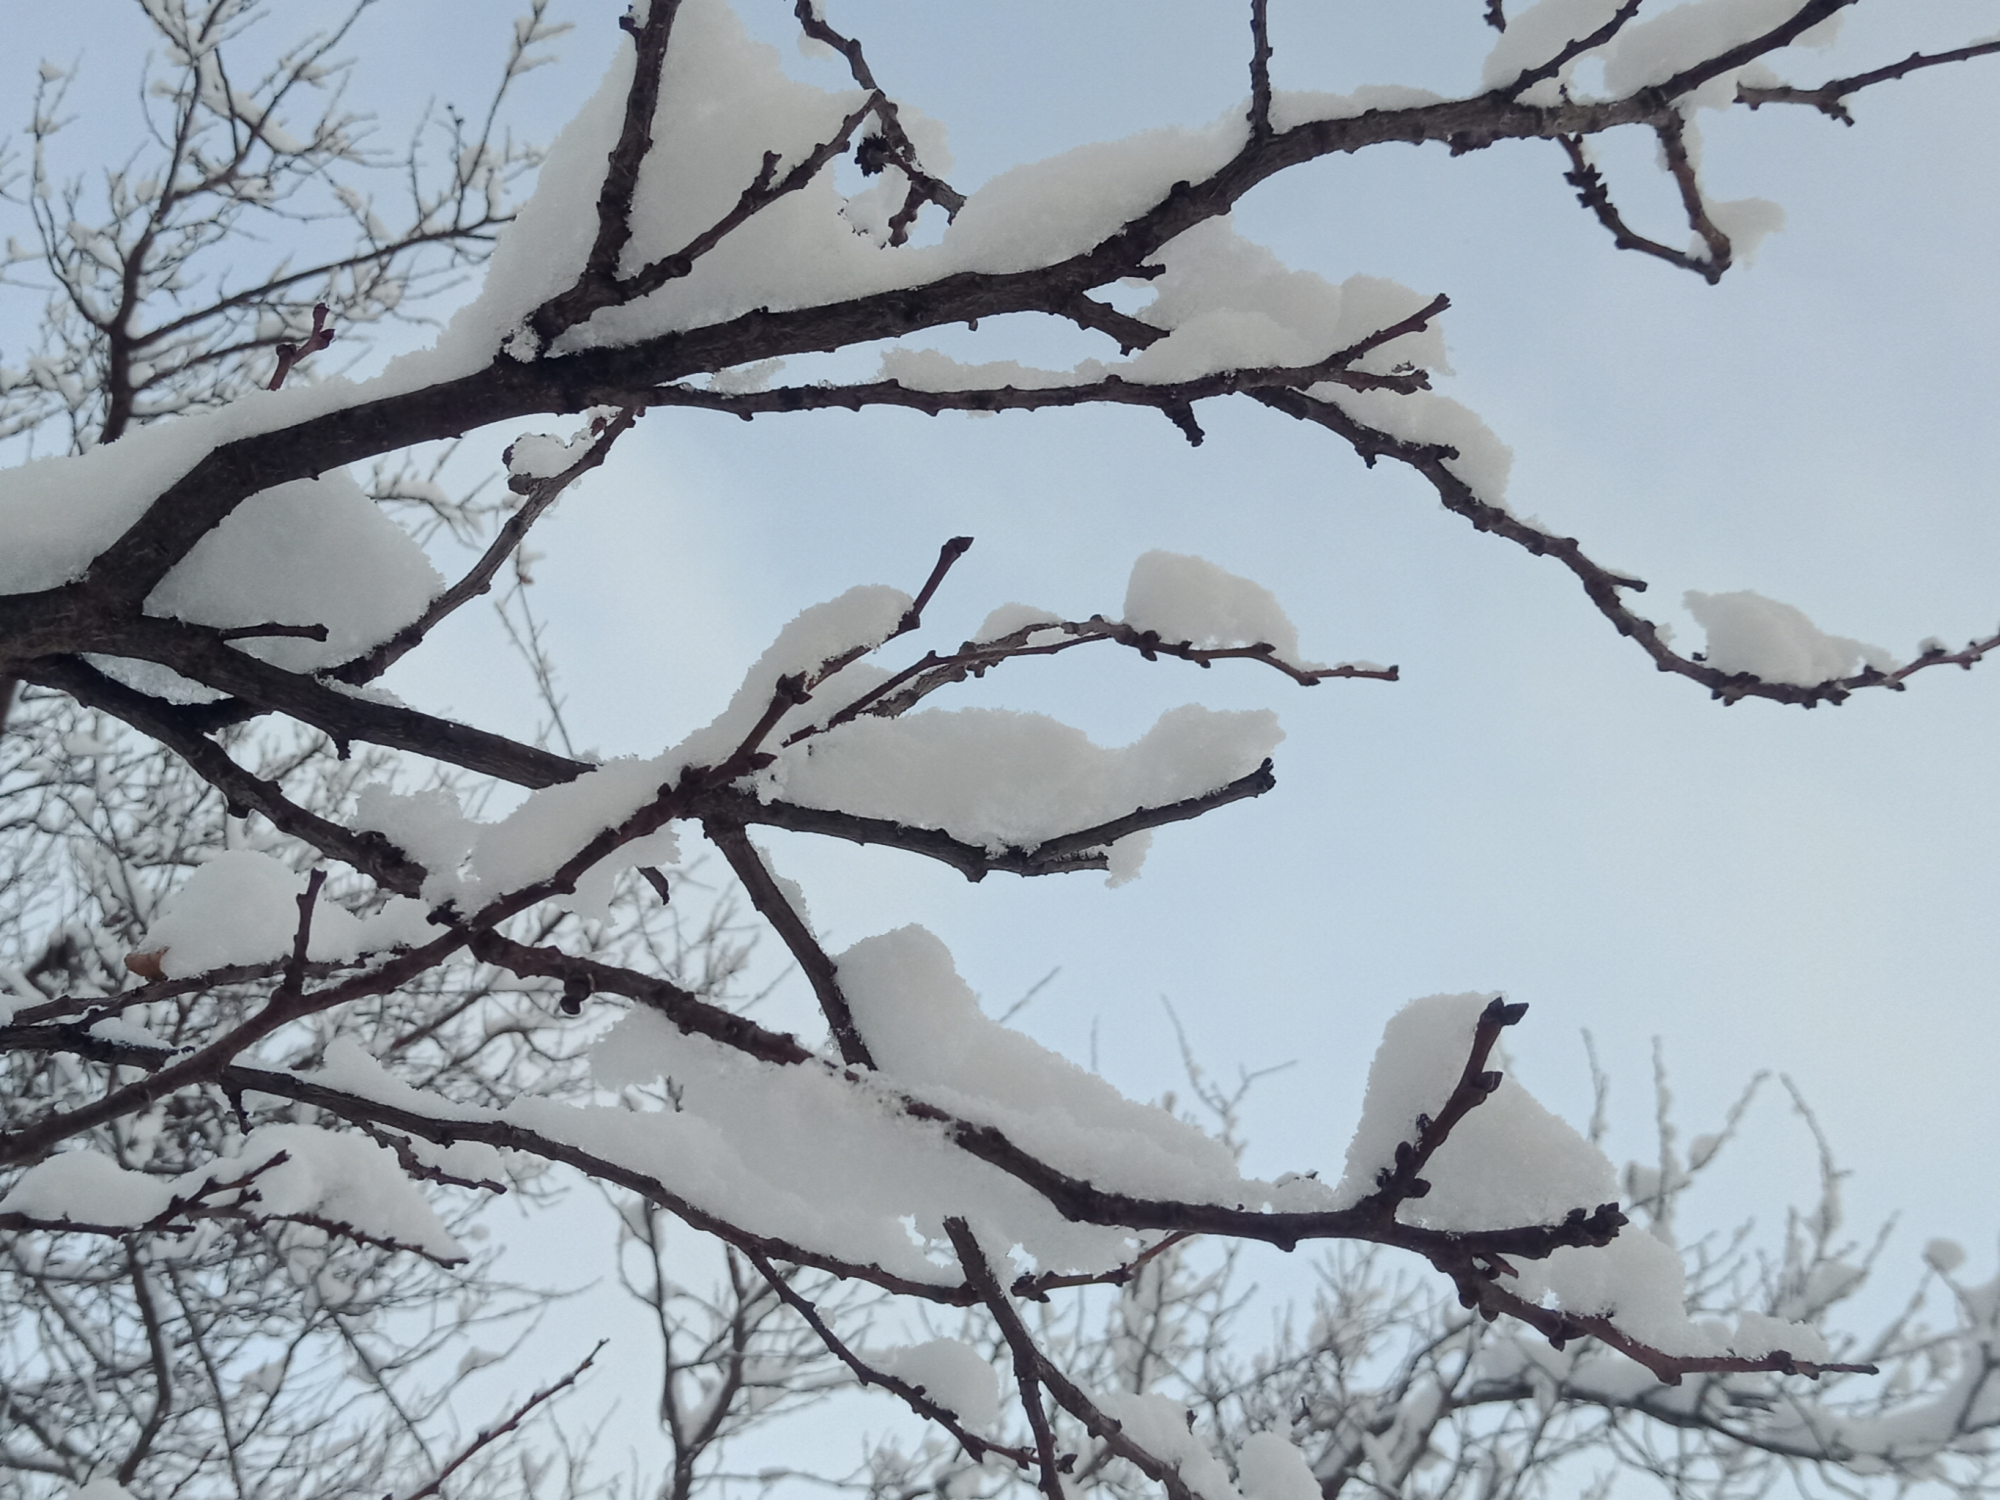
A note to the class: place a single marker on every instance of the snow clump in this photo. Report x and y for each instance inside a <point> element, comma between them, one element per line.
<point>1749,633</point>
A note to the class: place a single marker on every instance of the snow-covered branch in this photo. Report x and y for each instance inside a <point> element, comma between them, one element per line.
<point>307,998</point>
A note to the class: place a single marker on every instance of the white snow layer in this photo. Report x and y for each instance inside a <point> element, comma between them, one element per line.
<point>1009,618</point>
<point>312,552</point>
<point>1189,599</point>
<point>1483,461</point>
<point>952,1373</point>
<point>344,1179</point>
<point>1509,1161</point>
<point>1643,53</point>
<point>1291,108</point>
<point>1654,50</point>
<point>1162,1427</point>
<point>926,1031</point>
<point>1749,633</point>
<point>242,908</point>
<point>724,101</point>
<point>858,620</point>
<point>992,777</point>
<point>1269,1466</point>
<point>58,513</point>
<point>1229,304</point>
<point>999,778</point>
<point>1538,33</point>
<point>804,1154</point>
<point>1640,1284</point>
<point>471,863</point>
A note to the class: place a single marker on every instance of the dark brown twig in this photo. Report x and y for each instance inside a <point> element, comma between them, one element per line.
<point>1059,854</point>
<point>295,970</point>
<point>1602,585</point>
<point>209,1063</point>
<point>1260,68</point>
<point>538,495</point>
<point>764,190</point>
<point>289,355</point>
<point>1570,51</point>
<point>1170,397</point>
<point>1810,13</point>
<point>1483,1291</point>
<point>1027,1357</point>
<point>596,283</point>
<point>160,1354</point>
<point>1594,195</point>
<point>891,144</point>
<point>688,1012</point>
<point>798,938</point>
<point>1033,1368</point>
<point>914,1396</point>
<point>1037,1288</point>
<point>902,691</point>
<point>1830,98</point>
<point>948,554</point>
<point>246,792</point>
<point>252,632</point>
<point>1672,131</point>
<point>177,1218</point>
<point>1475,1085</point>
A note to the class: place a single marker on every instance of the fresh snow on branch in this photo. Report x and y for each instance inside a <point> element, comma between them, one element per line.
<point>1749,633</point>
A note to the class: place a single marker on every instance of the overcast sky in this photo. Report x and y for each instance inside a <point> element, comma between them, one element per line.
<point>1532,808</point>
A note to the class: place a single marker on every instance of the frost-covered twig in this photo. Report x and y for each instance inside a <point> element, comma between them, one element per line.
<point>511,1423</point>
<point>914,1396</point>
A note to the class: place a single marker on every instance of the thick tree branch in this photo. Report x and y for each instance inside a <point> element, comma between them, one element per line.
<point>370,853</point>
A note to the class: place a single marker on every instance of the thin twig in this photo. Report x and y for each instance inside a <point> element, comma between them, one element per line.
<point>289,355</point>
<point>1830,97</point>
<point>493,1434</point>
<point>805,948</point>
<point>976,1447</point>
